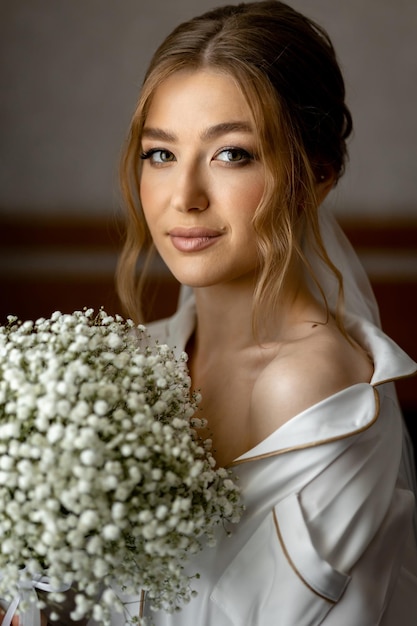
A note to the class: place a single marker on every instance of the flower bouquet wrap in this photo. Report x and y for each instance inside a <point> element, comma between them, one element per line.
<point>102,477</point>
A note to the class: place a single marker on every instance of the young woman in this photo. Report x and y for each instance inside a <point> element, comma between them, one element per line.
<point>239,134</point>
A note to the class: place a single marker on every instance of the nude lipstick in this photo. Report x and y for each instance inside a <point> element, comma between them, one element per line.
<point>193,239</point>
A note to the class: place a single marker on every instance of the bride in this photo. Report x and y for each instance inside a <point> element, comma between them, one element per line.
<point>239,135</point>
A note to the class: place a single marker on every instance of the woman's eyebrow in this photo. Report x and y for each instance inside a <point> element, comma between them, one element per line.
<point>208,134</point>
<point>157,133</point>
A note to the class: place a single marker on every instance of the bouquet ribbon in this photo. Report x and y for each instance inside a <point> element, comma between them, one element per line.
<point>30,614</point>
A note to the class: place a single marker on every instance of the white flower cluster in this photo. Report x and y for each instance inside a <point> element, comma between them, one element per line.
<point>102,478</point>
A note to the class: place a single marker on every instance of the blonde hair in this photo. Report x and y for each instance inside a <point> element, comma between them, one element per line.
<point>286,68</point>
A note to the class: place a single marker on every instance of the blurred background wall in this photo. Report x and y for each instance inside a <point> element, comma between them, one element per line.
<point>70,71</point>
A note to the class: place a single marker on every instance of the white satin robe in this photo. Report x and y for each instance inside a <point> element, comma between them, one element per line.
<point>327,536</point>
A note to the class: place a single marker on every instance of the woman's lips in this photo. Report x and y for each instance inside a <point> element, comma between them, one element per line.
<point>193,239</point>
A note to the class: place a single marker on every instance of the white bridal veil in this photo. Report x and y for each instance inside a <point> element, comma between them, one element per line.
<point>358,294</point>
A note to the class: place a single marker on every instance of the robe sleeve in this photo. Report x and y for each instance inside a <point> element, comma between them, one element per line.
<point>330,551</point>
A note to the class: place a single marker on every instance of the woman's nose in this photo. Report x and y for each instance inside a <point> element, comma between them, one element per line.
<point>190,191</point>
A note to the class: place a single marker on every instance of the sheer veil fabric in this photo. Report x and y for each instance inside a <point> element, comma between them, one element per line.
<point>358,294</point>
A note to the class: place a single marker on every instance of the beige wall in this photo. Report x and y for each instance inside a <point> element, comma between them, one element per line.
<point>70,72</point>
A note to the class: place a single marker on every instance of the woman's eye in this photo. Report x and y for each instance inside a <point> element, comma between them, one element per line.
<point>233,155</point>
<point>158,156</point>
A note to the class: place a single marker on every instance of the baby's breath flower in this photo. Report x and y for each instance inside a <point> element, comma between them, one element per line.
<point>101,407</point>
<point>114,341</point>
<point>111,532</point>
<point>88,520</point>
<point>89,457</point>
<point>101,474</point>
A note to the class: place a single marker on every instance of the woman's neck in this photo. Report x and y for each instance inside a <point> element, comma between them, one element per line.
<point>225,315</point>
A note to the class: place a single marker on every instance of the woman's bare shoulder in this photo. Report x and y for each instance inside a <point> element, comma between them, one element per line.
<point>304,372</point>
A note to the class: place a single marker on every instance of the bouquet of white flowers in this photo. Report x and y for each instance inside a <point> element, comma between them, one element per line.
<point>102,477</point>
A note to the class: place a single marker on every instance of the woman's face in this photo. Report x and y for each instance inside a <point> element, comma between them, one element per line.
<point>201,179</point>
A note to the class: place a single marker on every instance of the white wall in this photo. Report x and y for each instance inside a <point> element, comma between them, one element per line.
<point>71,69</point>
